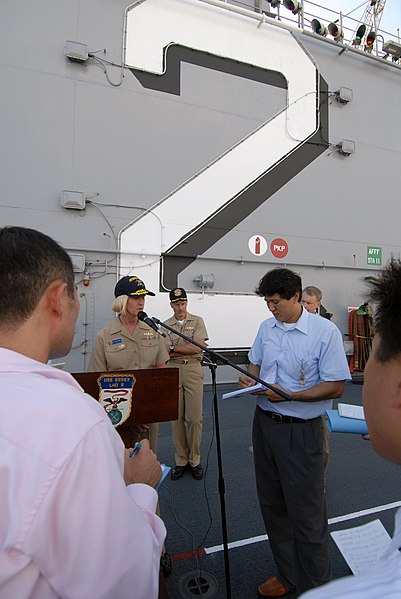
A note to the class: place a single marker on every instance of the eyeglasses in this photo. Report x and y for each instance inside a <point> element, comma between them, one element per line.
<point>273,302</point>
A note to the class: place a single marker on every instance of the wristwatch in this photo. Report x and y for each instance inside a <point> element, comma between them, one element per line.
<point>171,348</point>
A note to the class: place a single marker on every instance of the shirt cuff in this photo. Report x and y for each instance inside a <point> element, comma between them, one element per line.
<point>144,495</point>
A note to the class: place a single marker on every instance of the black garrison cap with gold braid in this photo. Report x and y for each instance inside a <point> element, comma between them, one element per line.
<point>178,295</point>
<point>131,286</point>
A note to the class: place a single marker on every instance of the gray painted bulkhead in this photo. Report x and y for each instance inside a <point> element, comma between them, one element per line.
<point>65,127</point>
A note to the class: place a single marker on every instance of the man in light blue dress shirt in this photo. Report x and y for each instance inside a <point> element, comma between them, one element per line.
<point>382,405</point>
<point>304,356</point>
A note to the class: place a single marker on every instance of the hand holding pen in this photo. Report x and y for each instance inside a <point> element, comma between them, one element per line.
<point>141,465</point>
<point>135,450</point>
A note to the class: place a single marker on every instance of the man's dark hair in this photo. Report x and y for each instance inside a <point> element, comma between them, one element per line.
<point>386,291</point>
<point>29,262</point>
<point>283,281</point>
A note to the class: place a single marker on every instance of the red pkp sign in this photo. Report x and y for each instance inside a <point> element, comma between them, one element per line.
<point>279,248</point>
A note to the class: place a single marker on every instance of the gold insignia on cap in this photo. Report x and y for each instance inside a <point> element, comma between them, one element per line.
<point>138,281</point>
<point>177,292</point>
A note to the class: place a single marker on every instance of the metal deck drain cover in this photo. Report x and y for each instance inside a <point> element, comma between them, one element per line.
<point>197,584</point>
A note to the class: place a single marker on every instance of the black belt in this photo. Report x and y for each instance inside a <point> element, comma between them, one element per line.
<point>281,419</point>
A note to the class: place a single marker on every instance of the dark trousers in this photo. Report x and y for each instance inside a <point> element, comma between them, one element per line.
<point>290,483</point>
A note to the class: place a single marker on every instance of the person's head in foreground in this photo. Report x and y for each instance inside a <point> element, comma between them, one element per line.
<point>37,293</point>
<point>382,378</point>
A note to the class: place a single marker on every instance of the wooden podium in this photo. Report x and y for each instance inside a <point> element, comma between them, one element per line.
<point>154,396</point>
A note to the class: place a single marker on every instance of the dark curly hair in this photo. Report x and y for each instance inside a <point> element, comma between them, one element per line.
<point>283,281</point>
<point>386,291</point>
<point>29,262</point>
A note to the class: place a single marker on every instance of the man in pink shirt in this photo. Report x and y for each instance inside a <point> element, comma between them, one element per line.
<point>77,515</point>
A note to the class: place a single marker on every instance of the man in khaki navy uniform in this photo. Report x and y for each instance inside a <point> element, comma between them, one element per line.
<point>187,430</point>
<point>126,342</point>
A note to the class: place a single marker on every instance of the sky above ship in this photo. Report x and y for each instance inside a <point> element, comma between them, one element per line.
<point>391,18</point>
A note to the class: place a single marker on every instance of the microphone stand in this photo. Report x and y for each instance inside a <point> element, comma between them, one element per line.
<point>221,485</point>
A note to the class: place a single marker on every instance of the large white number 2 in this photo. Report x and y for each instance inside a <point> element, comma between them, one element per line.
<point>153,26</point>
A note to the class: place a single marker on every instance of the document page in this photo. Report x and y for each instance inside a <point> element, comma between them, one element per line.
<point>363,545</point>
<point>350,411</point>
<point>239,392</point>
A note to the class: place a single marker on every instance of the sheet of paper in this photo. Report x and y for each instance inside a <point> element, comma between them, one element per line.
<point>363,545</point>
<point>350,411</point>
<point>269,377</point>
<point>239,392</point>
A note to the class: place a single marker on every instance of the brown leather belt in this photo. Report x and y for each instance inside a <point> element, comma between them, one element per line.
<point>281,419</point>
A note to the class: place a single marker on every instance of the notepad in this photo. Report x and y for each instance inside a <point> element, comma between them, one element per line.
<point>339,424</point>
<point>165,471</point>
<point>347,410</point>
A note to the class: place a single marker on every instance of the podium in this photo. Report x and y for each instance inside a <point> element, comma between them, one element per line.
<point>154,396</point>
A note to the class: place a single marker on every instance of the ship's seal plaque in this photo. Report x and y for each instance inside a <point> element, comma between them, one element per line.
<point>115,395</point>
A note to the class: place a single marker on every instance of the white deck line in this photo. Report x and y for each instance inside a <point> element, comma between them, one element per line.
<point>344,518</point>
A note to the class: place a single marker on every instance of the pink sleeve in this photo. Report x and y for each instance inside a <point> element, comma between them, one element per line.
<point>92,535</point>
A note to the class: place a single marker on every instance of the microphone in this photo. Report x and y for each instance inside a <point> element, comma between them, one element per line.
<point>147,320</point>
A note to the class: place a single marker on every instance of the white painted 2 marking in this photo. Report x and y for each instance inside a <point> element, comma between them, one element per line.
<point>212,29</point>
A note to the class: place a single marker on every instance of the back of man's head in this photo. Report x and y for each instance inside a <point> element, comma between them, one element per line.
<point>30,262</point>
<point>283,281</point>
<point>386,291</point>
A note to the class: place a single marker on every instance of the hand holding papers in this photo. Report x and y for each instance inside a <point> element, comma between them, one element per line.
<point>347,419</point>
<point>245,391</point>
<point>270,377</point>
<point>165,469</point>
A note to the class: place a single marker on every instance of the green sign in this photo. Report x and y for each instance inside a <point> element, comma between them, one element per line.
<point>374,257</point>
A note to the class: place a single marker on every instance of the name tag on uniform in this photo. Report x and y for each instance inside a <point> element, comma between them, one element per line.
<point>115,341</point>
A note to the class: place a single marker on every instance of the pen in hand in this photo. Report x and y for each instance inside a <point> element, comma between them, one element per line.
<point>135,451</point>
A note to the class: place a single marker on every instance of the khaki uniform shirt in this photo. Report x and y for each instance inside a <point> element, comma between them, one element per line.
<point>116,349</point>
<point>192,327</point>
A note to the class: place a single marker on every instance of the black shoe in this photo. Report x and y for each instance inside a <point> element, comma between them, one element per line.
<point>197,472</point>
<point>177,472</point>
<point>166,566</point>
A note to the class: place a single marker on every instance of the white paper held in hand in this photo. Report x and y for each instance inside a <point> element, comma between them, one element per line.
<point>269,376</point>
<point>239,392</point>
<point>347,410</point>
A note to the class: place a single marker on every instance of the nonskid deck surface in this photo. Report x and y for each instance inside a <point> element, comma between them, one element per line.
<point>361,487</point>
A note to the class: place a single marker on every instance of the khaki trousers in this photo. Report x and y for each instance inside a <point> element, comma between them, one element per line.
<point>187,430</point>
